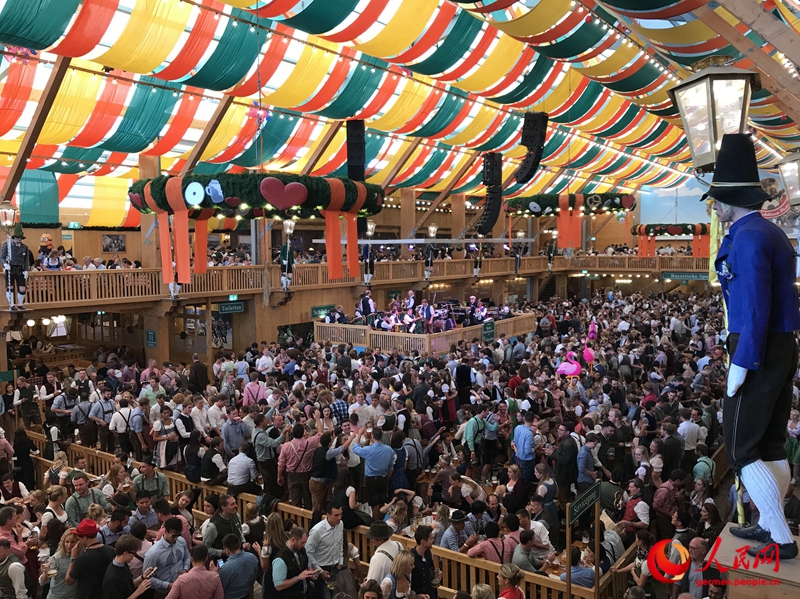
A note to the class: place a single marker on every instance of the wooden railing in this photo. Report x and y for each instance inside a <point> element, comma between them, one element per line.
<point>92,288</point>
<point>436,343</point>
<point>97,288</point>
<point>458,570</point>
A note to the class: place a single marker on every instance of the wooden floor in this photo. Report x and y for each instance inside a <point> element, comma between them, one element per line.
<point>756,581</point>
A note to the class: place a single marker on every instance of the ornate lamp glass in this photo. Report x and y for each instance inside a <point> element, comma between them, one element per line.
<point>8,215</point>
<point>789,168</point>
<point>520,234</point>
<point>432,230</point>
<point>288,227</point>
<point>713,102</point>
<point>370,228</point>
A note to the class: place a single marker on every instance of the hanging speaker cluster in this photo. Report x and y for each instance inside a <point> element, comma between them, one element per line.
<point>356,151</point>
<point>493,180</point>
<point>534,132</point>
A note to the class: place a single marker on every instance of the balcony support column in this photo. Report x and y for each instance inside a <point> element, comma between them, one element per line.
<point>408,215</point>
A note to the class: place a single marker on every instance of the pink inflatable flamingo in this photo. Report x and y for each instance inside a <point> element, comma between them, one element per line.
<point>571,368</point>
<point>588,357</point>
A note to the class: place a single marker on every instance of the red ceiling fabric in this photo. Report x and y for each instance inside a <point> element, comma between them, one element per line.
<point>430,38</point>
<point>385,91</point>
<point>364,21</point>
<point>66,183</point>
<point>298,140</point>
<point>473,56</point>
<point>197,43</point>
<point>15,94</point>
<point>271,59</point>
<point>333,84</point>
<point>106,112</point>
<point>40,156</point>
<point>181,122</point>
<point>114,160</point>
<point>94,17</point>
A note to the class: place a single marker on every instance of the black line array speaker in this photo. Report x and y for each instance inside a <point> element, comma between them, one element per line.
<point>492,169</point>
<point>361,225</point>
<point>491,210</point>
<point>356,151</point>
<point>534,133</point>
<point>534,129</point>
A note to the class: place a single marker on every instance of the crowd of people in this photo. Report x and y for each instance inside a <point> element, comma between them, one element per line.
<point>477,451</point>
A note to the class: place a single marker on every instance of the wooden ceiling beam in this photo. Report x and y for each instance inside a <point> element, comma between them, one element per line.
<point>208,133</point>
<point>322,147</point>
<point>40,115</point>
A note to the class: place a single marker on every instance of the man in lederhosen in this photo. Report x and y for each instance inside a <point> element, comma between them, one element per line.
<point>15,257</point>
<point>756,266</point>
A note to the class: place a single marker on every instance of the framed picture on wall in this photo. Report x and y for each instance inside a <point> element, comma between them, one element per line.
<point>113,244</point>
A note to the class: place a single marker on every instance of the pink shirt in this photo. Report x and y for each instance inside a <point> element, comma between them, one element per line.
<point>197,583</point>
<point>493,550</point>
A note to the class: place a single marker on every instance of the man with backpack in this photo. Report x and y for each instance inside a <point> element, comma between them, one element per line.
<point>705,467</point>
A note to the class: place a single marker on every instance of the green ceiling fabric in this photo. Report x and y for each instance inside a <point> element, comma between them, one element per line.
<point>149,110</point>
<point>632,112</point>
<point>541,69</point>
<point>585,103</point>
<point>471,184</point>
<point>657,132</point>
<point>430,167</point>
<point>445,113</point>
<point>35,23</point>
<point>455,46</point>
<point>37,196</point>
<point>231,60</point>
<point>586,37</point>
<point>271,138</point>
<point>209,168</point>
<point>363,83</point>
<point>587,157</point>
<point>322,16</point>
<point>509,128</point>
<point>640,79</point>
<point>613,167</point>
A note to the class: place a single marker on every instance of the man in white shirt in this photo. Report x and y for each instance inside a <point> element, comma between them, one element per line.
<point>12,571</point>
<point>217,415</point>
<point>200,416</point>
<point>264,364</point>
<point>325,549</point>
<point>242,473</point>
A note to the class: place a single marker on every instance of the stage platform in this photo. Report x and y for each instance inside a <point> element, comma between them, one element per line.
<point>760,582</point>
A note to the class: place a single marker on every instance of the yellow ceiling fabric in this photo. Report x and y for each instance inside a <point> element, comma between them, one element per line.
<point>559,96</point>
<point>541,182</point>
<point>478,126</point>
<point>230,126</point>
<point>495,67</point>
<point>336,143</point>
<point>788,16</point>
<point>109,202</point>
<point>74,103</point>
<point>619,59</point>
<point>378,177</point>
<point>153,30</point>
<point>442,184</point>
<point>537,20</point>
<point>603,117</point>
<point>241,3</point>
<point>307,75</point>
<point>402,30</point>
<point>693,32</point>
<point>406,106</point>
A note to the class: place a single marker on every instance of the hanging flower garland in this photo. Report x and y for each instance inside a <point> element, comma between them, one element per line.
<point>548,204</point>
<point>665,229</point>
<point>256,195</point>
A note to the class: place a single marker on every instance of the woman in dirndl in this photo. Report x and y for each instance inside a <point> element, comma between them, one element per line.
<point>792,444</point>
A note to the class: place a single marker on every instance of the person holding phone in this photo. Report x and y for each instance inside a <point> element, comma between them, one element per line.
<point>118,581</point>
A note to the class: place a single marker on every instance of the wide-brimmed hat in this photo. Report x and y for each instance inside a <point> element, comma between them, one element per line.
<point>458,516</point>
<point>736,181</point>
<point>87,528</point>
<point>380,531</point>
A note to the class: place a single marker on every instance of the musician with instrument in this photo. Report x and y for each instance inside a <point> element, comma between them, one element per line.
<point>410,302</point>
<point>426,314</point>
<point>410,321</point>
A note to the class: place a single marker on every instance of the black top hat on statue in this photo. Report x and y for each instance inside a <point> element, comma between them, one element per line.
<point>736,181</point>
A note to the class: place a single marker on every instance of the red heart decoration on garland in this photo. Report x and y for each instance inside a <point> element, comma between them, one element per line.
<point>674,230</point>
<point>233,202</point>
<point>628,201</point>
<point>283,196</point>
<point>136,200</point>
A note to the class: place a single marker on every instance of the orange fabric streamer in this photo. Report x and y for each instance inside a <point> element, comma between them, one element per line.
<point>352,230</point>
<point>201,238</point>
<point>651,246</point>
<point>163,235</point>
<point>562,222</point>
<point>333,240</point>
<point>86,32</point>
<point>576,220</point>
<point>65,183</point>
<point>15,94</point>
<point>180,228</point>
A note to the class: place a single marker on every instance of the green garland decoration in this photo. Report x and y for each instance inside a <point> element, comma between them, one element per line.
<point>666,229</point>
<point>546,204</point>
<point>246,187</point>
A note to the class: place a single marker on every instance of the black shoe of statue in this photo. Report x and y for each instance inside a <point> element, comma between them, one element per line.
<point>785,550</point>
<point>756,533</point>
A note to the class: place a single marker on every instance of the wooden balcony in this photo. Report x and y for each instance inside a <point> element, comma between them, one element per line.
<point>436,343</point>
<point>95,289</point>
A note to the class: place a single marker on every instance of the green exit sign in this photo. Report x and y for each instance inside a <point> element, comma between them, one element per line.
<point>73,225</point>
<point>233,297</point>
